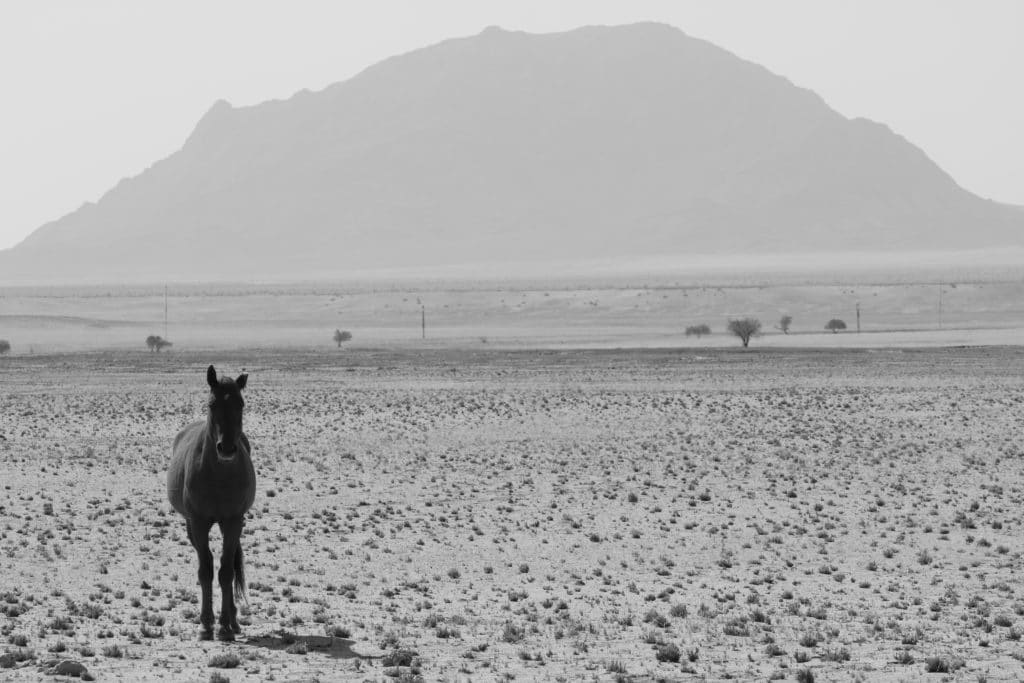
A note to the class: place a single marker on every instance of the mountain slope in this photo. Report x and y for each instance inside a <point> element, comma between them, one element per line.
<point>600,142</point>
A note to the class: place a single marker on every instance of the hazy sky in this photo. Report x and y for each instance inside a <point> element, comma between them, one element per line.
<point>96,91</point>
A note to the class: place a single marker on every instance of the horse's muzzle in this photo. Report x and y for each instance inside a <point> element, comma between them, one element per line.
<point>226,450</point>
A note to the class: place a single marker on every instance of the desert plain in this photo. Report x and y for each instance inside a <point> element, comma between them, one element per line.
<point>528,514</point>
<point>527,480</point>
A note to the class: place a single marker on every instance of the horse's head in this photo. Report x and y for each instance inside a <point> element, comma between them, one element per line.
<point>225,408</point>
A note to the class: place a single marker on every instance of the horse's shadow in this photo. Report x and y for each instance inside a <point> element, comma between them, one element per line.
<point>337,648</point>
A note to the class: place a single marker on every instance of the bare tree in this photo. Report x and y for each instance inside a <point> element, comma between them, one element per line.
<point>697,330</point>
<point>784,323</point>
<point>835,324</point>
<point>341,336</point>
<point>5,346</point>
<point>745,328</point>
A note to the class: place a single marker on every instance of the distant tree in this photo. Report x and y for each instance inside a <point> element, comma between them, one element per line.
<point>697,330</point>
<point>157,343</point>
<point>835,324</point>
<point>745,328</point>
<point>784,323</point>
<point>5,346</point>
<point>341,336</point>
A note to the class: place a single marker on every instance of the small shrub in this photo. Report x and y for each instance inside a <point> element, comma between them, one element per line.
<point>841,655</point>
<point>668,653</point>
<point>338,632</point>
<point>447,632</point>
<point>148,632</point>
<point>810,639</point>
<point>224,660</point>
<point>512,633</point>
<point>736,627</point>
<point>399,657</point>
<point>805,676</point>
<point>911,638</point>
<point>615,667</point>
<point>652,637</point>
<point>655,618</point>
<point>59,624</point>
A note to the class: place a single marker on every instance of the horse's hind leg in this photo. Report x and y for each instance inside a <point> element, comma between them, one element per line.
<point>232,532</point>
<point>239,587</point>
<point>199,534</point>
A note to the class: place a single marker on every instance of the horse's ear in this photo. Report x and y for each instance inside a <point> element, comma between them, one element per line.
<point>211,377</point>
<point>241,380</point>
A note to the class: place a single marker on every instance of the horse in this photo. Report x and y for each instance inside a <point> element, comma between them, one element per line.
<point>211,480</point>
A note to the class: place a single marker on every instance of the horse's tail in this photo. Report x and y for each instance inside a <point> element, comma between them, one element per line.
<point>240,576</point>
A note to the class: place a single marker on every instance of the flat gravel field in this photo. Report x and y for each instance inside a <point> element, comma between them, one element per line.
<point>468,514</point>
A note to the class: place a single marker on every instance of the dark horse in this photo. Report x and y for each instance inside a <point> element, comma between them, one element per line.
<point>211,480</point>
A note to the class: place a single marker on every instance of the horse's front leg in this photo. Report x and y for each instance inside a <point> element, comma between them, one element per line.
<point>232,531</point>
<point>199,534</point>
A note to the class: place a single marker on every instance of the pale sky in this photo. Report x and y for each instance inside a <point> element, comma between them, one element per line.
<point>96,91</point>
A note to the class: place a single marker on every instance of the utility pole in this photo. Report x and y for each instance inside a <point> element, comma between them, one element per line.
<point>858,317</point>
<point>423,320</point>
<point>940,305</point>
<point>165,311</point>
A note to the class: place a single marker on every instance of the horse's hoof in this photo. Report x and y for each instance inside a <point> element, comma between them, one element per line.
<point>225,634</point>
<point>206,633</point>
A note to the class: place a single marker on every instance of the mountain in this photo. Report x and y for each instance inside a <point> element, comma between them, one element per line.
<point>597,143</point>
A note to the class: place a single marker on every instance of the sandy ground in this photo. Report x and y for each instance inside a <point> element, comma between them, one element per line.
<point>536,515</point>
